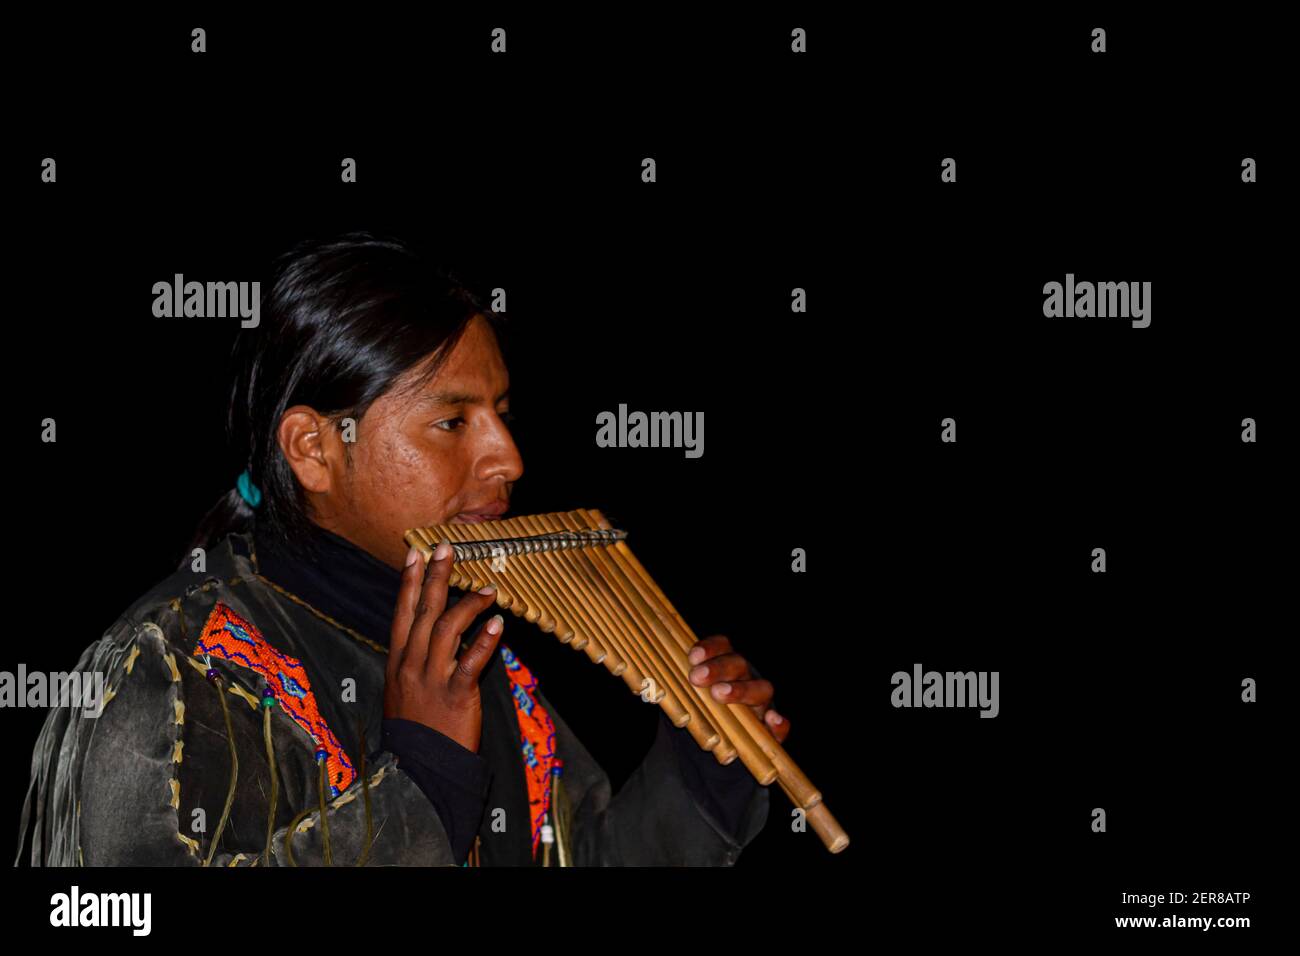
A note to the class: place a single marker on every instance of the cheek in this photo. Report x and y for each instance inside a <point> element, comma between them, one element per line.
<point>412,481</point>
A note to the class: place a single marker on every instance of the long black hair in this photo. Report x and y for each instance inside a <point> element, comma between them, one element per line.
<point>341,320</point>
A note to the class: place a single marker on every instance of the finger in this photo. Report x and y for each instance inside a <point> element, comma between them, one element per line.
<point>709,647</point>
<point>470,665</point>
<point>433,599</point>
<point>778,725</point>
<point>448,628</point>
<point>404,612</point>
<point>743,692</point>
<point>722,667</point>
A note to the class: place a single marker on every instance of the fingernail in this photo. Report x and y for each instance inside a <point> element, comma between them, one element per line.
<point>774,716</point>
<point>441,551</point>
<point>487,590</point>
<point>412,556</point>
<point>696,655</point>
<point>700,673</point>
<point>495,624</point>
<point>721,690</point>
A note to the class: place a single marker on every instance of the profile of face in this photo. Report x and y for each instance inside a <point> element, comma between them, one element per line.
<point>435,454</point>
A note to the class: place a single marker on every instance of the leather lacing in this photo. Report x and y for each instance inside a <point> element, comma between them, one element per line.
<point>275,790</point>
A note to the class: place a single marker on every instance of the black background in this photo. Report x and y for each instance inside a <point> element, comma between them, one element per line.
<point>820,171</point>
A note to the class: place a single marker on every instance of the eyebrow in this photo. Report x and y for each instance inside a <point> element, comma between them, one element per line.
<point>458,398</point>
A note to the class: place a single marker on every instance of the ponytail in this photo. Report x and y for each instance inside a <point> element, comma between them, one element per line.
<point>229,515</point>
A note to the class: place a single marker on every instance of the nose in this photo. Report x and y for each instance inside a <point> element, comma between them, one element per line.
<point>499,457</point>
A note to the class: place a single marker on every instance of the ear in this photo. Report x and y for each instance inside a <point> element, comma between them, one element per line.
<point>311,445</point>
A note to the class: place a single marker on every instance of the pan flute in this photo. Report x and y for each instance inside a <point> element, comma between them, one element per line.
<point>573,575</point>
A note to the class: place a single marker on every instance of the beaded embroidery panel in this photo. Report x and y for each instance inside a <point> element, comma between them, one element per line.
<point>537,739</point>
<point>229,636</point>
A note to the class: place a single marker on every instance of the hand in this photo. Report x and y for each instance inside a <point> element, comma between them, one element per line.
<point>425,681</point>
<point>727,675</point>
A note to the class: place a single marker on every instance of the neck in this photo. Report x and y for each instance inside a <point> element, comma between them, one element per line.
<point>339,579</point>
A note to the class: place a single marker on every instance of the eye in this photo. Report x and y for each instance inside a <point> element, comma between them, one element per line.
<point>454,424</point>
<point>508,417</point>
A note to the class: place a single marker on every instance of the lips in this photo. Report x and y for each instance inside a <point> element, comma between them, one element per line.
<point>489,511</point>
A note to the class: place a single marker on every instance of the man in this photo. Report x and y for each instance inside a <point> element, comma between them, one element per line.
<point>304,690</point>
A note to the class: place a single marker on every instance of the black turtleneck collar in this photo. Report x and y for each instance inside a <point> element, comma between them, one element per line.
<point>339,579</point>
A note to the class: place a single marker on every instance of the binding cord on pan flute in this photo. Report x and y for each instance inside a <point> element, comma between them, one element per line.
<point>573,575</point>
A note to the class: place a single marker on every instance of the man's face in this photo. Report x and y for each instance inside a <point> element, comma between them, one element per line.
<point>432,456</point>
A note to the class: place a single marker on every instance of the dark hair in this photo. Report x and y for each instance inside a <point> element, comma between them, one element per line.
<point>341,320</point>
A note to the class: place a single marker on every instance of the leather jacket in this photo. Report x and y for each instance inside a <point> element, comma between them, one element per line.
<point>123,788</point>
